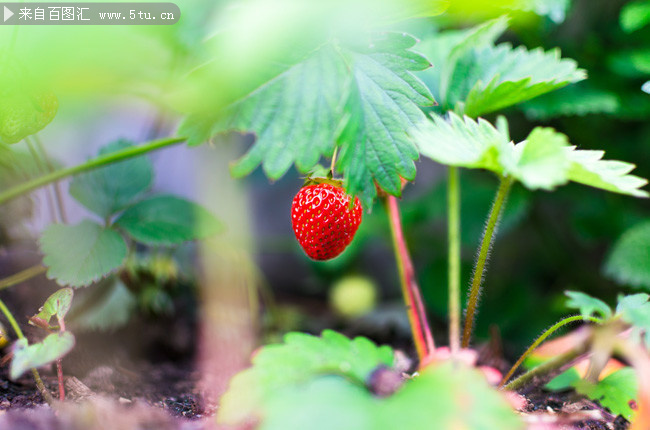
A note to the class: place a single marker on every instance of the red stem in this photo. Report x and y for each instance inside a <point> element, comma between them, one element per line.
<point>59,372</point>
<point>59,364</point>
<point>422,336</point>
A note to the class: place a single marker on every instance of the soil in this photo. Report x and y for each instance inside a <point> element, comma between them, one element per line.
<point>146,395</point>
<point>568,410</point>
<point>163,396</point>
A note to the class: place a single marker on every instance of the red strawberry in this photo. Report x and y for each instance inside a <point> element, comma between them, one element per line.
<point>323,220</point>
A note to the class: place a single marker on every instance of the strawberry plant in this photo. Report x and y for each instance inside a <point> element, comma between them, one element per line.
<point>370,89</point>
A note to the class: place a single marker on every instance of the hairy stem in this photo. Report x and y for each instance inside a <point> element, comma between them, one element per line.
<point>37,377</point>
<point>453,220</point>
<point>95,163</point>
<point>547,367</point>
<point>22,276</point>
<point>542,338</point>
<point>422,336</point>
<point>481,260</point>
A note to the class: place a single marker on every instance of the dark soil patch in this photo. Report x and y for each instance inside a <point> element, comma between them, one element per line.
<point>573,411</point>
<point>147,396</point>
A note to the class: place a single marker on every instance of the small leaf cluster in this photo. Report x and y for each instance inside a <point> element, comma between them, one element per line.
<point>633,309</point>
<point>77,255</point>
<point>54,346</point>
<point>616,390</point>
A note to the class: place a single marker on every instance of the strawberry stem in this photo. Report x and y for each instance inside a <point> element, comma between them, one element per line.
<point>89,165</point>
<point>59,364</point>
<point>453,231</point>
<point>22,276</point>
<point>331,173</point>
<point>422,336</point>
<point>481,261</point>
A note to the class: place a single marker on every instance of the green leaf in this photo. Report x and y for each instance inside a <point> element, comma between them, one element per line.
<point>502,76</point>
<point>413,9</point>
<point>447,48</point>
<point>58,304</point>
<point>572,100</point>
<point>475,77</point>
<point>544,160</point>
<point>111,188</point>
<point>107,306</point>
<point>300,358</point>
<point>588,305</point>
<point>615,392</point>
<point>322,384</point>
<point>635,15</point>
<point>633,302</point>
<point>289,31</point>
<point>589,168</point>
<point>167,220</point>
<point>561,382</point>
<point>555,10</point>
<point>324,403</point>
<point>80,254</point>
<point>462,142</point>
<point>50,349</point>
<point>382,106</point>
<point>294,116</point>
<point>635,310</point>
<point>564,380</point>
<point>450,397</point>
<point>631,63</point>
<point>627,262</point>
<point>539,162</point>
<point>26,107</point>
<point>363,99</point>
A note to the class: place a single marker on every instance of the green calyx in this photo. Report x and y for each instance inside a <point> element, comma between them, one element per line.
<point>323,180</point>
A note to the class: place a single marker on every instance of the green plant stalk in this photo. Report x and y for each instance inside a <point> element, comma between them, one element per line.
<point>22,276</point>
<point>453,221</point>
<point>37,377</point>
<point>547,367</point>
<point>484,251</point>
<point>41,170</point>
<point>92,164</point>
<point>420,329</point>
<point>57,185</point>
<point>542,338</point>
